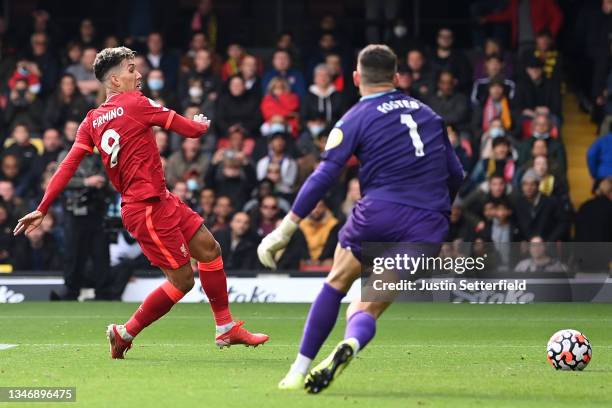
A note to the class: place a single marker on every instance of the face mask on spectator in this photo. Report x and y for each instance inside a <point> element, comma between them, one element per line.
<point>400,30</point>
<point>496,132</point>
<point>192,184</point>
<point>538,135</point>
<point>276,128</point>
<point>155,84</point>
<point>315,129</point>
<point>195,92</point>
<point>34,88</point>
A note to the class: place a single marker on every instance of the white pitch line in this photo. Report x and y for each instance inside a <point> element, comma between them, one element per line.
<point>7,346</point>
<point>267,345</point>
<point>303,318</point>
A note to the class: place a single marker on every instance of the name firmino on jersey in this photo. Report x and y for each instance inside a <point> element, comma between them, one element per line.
<point>110,115</point>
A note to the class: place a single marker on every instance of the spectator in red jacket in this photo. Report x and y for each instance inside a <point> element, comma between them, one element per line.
<point>542,14</point>
<point>280,101</point>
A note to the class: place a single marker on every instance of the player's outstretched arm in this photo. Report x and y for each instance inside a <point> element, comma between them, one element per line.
<point>311,192</point>
<point>56,185</point>
<point>189,128</point>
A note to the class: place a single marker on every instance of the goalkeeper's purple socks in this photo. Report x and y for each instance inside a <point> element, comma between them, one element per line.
<point>362,327</point>
<point>321,320</point>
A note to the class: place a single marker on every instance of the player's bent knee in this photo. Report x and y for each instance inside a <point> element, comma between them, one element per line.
<point>182,278</point>
<point>185,284</point>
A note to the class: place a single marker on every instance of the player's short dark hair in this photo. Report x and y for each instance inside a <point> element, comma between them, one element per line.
<point>108,59</point>
<point>377,64</point>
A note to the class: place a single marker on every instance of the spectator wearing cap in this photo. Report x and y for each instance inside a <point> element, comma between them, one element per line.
<point>281,101</point>
<point>287,172</point>
<point>451,105</point>
<point>236,106</point>
<point>238,244</point>
<point>493,69</point>
<point>541,130</point>
<point>281,67</point>
<point>322,99</point>
<point>537,214</point>
<point>495,106</point>
<point>66,103</point>
<point>534,90</point>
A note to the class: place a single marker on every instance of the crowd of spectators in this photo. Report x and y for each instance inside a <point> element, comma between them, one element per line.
<point>271,116</point>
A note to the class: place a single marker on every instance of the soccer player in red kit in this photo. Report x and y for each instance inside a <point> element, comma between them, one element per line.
<point>169,232</point>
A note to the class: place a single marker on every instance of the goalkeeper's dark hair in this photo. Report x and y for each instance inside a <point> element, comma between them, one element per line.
<point>377,64</point>
<point>108,59</point>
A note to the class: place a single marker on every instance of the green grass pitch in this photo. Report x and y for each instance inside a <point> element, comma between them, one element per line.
<point>425,355</point>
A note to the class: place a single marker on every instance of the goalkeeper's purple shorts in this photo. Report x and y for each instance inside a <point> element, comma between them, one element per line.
<point>384,221</point>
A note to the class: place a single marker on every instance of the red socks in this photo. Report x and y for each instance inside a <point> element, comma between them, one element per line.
<point>160,301</point>
<point>214,283</point>
<point>156,304</point>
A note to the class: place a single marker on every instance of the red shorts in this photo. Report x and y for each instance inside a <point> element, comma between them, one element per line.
<point>163,229</point>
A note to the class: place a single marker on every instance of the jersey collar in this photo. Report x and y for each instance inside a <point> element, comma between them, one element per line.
<point>376,95</point>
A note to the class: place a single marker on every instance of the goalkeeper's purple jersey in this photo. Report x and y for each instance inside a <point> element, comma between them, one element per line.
<point>403,149</point>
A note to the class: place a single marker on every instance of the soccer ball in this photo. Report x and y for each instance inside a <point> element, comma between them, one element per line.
<point>569,350</point>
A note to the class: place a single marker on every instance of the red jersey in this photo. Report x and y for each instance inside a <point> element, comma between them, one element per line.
<point>121,130</point>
